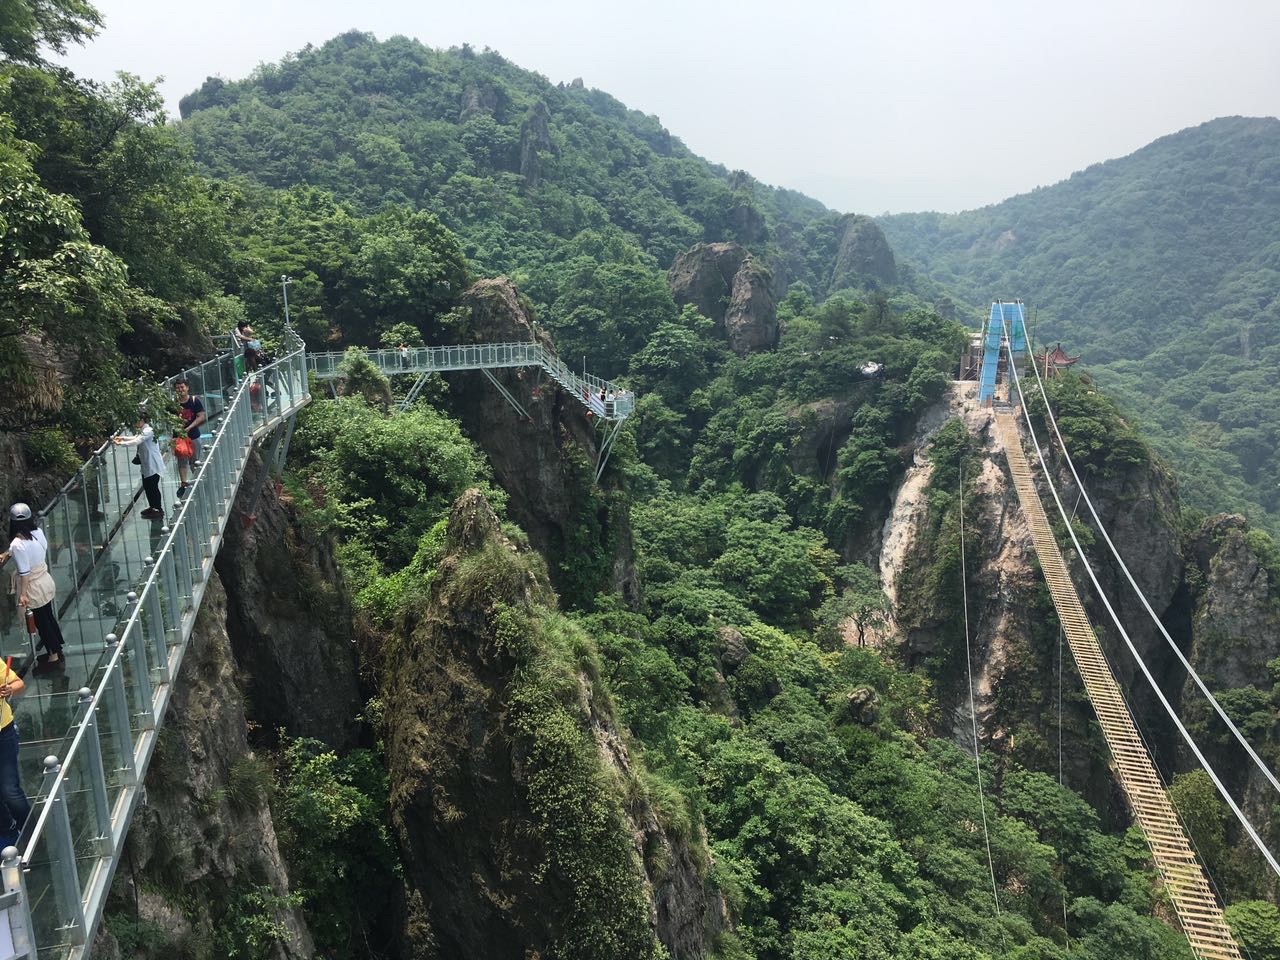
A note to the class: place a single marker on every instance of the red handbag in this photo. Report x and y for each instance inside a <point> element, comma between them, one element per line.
<point>183,448</point>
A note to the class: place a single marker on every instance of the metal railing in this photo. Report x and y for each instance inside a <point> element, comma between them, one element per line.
<point>56,879</point>
<point>602,397</point>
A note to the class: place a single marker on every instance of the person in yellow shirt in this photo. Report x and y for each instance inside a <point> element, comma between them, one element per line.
<point>14,805</point>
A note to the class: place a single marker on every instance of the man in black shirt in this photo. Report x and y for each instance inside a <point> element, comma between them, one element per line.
<point>192,412</point>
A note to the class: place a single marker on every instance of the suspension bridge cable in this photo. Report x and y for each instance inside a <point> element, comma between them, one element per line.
<point>1061,638</point>
<point>973,710</point>
<point>1133,650</point>
<point>1235,731</point>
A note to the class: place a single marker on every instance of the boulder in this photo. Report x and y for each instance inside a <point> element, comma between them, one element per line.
<point>725,283</point>
<point>703,276</point>
<point>865,257</point>
<point>751,322</point>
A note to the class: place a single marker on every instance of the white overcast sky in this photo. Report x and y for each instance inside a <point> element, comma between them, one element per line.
<point>868,105</point>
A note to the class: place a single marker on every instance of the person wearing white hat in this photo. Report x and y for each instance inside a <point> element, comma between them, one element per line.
<point>34,585</point>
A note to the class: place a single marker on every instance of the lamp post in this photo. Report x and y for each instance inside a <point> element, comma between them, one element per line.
<point>284,288</point>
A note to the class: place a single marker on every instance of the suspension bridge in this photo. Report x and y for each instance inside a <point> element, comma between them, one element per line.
<point>1198,910</point>
<point>128,593</point>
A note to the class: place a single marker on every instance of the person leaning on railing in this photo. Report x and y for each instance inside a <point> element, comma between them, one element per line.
<point>14,805</point>
<point>151,461</point>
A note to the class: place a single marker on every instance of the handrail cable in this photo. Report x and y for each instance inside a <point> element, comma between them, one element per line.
<point>973,710</point>
<point>1235,731</point>
<point>1146,672</point>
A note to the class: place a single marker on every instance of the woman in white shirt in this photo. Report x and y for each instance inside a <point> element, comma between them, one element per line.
<point>33,584</point>
<point>149,458</point>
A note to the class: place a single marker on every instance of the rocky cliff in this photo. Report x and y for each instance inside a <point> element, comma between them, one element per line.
<point>732,288</point>
<point>864,257</point>
<point>545,462</point>
<point>271,651</point>
<point>1215,594</point>
<point>1235,646</point>
<point>289,619</point>
<point>203,846</point>
<point>1013,631</point>
<point>525,826</point>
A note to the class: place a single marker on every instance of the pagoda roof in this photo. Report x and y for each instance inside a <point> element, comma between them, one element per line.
<point>1058,357</point>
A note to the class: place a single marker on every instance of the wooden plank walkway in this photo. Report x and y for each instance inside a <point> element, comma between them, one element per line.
<point>1197,908</point>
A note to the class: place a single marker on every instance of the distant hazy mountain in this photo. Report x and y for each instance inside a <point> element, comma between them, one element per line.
<point>1163,269</point>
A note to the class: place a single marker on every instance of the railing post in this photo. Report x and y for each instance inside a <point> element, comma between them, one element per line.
<point>118,704</point>
<point>66,881</point>
<point>182,560</point>
<point>208,522</point>
<point>97,773</point>
<point>153,621</point>
<point>141,671</point>
<point>16,904</point>
<point>169,577</point>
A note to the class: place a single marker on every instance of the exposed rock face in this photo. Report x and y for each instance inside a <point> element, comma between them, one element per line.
<point>290,620</point>
<point>1013,630</point>
<point>751,321</point>
<point>1236,625</point>
<point>477,101</point>
<point>703,276</point>
<point>535,136</point>
<point>545,463</point>
<point>727,285</point>
<point>1140,510</point>
<point>864,255</point>
<point>824,426</point>
<point>1236,635</point>
<point>169,348</point>
<point>206,830</point>
<point>468,772</point>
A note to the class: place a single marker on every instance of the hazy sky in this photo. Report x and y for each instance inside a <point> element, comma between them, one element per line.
<point>871,106</point>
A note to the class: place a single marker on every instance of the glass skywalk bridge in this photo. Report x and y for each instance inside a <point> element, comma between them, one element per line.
<point>129,590</point>
<point>606,401</point>
<point>602,397</point>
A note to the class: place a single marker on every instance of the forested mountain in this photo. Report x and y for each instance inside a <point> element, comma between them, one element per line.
<point>534,177</point>
<point>1162,269</point>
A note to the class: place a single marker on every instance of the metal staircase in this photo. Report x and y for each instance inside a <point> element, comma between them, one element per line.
<point>1194,902</point>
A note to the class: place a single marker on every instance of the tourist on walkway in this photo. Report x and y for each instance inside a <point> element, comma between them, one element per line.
<point>34,586</point>
<point>150,460</point>
<point>192,412</point>
<point>14,805</point>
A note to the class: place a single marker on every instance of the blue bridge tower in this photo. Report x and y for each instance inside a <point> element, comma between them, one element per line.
<point>1004,316</point>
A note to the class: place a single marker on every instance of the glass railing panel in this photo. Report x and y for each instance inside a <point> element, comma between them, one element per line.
<point>89,831</point>
<point>50,933</point>
<point>114,733</point>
